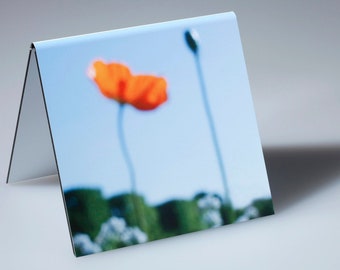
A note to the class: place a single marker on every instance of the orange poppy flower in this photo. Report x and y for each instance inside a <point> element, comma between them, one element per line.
<point>115,81</point>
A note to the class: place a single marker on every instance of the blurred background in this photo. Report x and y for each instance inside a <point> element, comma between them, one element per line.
<point>293,59</point>
<point>291,50</point>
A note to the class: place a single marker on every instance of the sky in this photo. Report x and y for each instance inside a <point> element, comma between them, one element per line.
<point>171,146</point>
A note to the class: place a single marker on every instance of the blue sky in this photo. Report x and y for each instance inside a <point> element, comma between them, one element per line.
<point>171,146</point>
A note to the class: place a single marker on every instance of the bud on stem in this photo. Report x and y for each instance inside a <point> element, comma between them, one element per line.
<point>192,38</point>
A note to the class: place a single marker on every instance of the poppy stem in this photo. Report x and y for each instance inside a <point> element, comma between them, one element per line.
<point>212,127</point>
<point>128,162</point>
<point>124,148</point>
<point>139,219</point>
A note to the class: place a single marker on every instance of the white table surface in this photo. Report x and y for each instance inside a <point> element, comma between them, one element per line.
<point>292,53</point>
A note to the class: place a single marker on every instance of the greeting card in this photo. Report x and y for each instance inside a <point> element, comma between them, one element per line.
<point>151,131</point>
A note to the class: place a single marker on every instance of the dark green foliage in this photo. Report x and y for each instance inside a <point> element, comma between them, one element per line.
<point>179,217</point>
<point>87,210</point>
<point>200,195</point>
<point>153,230</point>
<point>123,206</point>
<point>79,253</point>
<point>228,214</point>
<point>136,212</point>
<point>238,213</point>
<point>265,207</point>
<point>113,245</point>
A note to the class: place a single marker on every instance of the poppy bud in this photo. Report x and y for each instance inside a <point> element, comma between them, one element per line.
<point>191,37</point>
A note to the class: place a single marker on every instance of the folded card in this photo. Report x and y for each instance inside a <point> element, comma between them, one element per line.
<point>151,130</point>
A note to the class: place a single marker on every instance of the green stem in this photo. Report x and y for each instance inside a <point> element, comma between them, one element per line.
<point>212,127</point>
<point>128,161</point>
<point>124,149</point>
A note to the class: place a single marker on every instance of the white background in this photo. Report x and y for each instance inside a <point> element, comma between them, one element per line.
<point>293,59</point>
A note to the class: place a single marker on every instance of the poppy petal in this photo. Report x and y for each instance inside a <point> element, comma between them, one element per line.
<point>147,92</point>
<point>115,81</point>
<point>111,79</point>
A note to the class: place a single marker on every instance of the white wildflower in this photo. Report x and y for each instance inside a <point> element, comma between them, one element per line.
<point>84,245</point>
<point>249,213</point>
<point>210,208</point>
<point>209,201</point>
<point>212,218</point>
<point>133,235</point>
<point>111,230</point>
<point>242,218</point>
<point>252,212</point>
<point>117,224</point>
